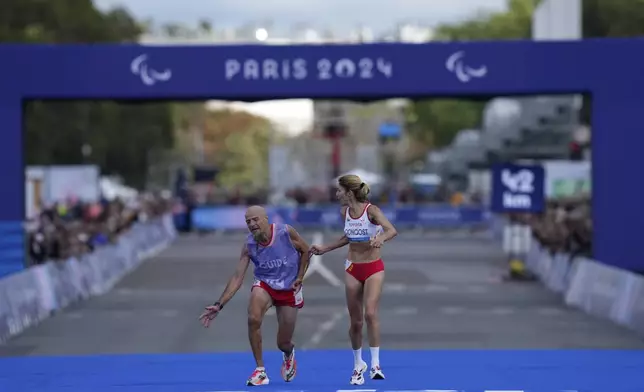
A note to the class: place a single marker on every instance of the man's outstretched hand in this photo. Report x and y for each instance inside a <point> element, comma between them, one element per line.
<point>209,314</point>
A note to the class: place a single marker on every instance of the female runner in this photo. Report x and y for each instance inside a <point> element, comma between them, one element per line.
<point>365,271</point>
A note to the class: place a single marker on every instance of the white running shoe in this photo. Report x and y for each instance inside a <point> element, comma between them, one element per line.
<point>376,373</point>
<point>289,366</point>
<point>357,378</point>
<point>259,377</point>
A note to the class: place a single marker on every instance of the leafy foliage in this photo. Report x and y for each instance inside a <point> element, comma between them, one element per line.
<point>436,122</point>
<point>119,133</point>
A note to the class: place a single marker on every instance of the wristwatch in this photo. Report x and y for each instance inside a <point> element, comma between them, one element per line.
<point>218,304</point>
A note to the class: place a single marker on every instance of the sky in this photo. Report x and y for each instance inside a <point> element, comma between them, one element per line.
<point>340,16</point>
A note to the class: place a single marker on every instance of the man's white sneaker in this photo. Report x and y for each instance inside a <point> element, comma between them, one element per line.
<point>258,377</point>
<point>357,378</point>
<point>289,367</point>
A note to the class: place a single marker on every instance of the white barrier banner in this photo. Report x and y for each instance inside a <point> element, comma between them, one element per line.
<point>21,303</point>
<point>599,289</point>
<point>544,265</point>
<point>90,278</point>
<point>31,295</point>
<point>556,276</point>
<point>533,257</point>
<point>596,288</point>
<point>632,314</point>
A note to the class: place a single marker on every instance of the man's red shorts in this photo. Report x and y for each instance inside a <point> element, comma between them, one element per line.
<point>362,271</point>
<point>290,298</point>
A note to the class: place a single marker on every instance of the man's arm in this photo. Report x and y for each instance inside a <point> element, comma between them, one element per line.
<point>303,248</point>
<point>235,281</point>
<point>376,216</point>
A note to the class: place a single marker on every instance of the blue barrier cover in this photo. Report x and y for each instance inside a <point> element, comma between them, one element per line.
<point>437,216</point>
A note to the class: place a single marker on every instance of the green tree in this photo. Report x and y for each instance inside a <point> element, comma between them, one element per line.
<point>237,142</point>
<point>205,26</point>
<point>616,19</point>
<point>119,133</point>
<point>513,23</point>
<point>439,121</point>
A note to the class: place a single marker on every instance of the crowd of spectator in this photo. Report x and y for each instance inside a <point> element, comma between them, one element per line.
<point>405,194</point>
<point>72,228</point>
<point>565,226</point>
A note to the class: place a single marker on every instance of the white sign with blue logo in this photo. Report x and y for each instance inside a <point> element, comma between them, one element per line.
<point>518,188</point>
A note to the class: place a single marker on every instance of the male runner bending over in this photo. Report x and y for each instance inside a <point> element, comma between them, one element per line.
<point>280,257</point>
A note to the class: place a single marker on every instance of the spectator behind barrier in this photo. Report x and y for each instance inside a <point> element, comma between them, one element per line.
<point>565,226</point>
<point>73,228</point>
<point>209,194</point>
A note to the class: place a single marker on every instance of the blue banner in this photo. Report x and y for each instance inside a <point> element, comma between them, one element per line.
<point>390,130</point>
<point>440,216</point>
<point>518,188</point>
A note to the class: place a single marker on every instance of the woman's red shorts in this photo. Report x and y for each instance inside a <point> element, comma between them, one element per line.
<point>362,271</point>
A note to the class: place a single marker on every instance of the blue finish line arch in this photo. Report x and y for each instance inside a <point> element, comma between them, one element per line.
<point>611,70</point>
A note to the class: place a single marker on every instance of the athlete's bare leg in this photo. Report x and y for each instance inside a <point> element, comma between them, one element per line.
<point>286,317</point>
<point>372,291</point>
<point>259,303</point>
<point>354,294</point>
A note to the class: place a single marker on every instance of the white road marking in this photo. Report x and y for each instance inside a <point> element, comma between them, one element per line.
<point>548,311</point>
<point>394,287</point>
<point>405,311</point>
<point>476,289</point>
<point>452,310</point>
<point>316,265</point>
<point>356,390</point>
<point>501,311</point>
<point>324,329</point>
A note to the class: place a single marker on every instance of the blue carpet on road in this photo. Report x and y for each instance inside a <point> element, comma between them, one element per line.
<point>329,371</point>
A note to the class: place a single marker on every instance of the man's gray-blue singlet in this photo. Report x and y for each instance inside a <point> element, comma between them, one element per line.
<point>276,264</point>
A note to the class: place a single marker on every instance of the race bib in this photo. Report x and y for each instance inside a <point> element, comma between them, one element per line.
<point>348,265</point>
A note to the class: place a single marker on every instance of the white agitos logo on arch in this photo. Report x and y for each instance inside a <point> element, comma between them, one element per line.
<point>149,76</point>
<point>463,72</point>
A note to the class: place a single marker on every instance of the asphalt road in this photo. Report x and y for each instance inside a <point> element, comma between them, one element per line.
<point>441,292</point>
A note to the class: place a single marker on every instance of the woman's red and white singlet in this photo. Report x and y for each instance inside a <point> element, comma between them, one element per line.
<point>360,229</point>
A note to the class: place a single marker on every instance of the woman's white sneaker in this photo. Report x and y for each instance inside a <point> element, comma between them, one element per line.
<point>376,373</point>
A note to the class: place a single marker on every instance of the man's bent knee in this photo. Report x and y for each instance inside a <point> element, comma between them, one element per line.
<point>254,321</point>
